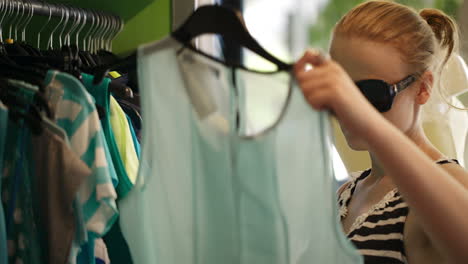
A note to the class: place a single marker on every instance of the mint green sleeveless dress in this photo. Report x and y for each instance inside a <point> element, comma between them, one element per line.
<point>215,185</point>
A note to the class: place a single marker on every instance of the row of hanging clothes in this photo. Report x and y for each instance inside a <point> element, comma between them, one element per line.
<point>69,133</point>
<point>234,166</point>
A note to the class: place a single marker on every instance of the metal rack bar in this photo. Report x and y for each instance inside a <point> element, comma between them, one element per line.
<point>55,10</point>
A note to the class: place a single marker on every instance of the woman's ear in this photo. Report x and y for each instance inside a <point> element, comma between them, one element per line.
<point>425,84</point>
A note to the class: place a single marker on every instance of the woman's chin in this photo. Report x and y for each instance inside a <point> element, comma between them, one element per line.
<point>356,144</point>
<point>358,147</point>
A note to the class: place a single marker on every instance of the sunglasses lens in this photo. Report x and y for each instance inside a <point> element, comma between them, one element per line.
<point>378,93</point>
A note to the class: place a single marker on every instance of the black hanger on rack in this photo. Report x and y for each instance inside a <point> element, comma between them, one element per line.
<point>22,54</point>
<point>212,19</point>
<point>124,65</point>
<point>30,75</point>
<point>229,24</point>
<point>18,108</point>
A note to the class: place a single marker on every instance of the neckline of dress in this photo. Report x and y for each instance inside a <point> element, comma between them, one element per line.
<point>347,196</point>
<point>357,223</point>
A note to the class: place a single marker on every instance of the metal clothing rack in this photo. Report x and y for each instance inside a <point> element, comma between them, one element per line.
<point>104,26</point>
<point>42,8</point>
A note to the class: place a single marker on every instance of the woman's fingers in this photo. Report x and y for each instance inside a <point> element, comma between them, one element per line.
<point>318,99</point>
<point>315,74</point>
<point>310,57</point>
<point>321,82</point>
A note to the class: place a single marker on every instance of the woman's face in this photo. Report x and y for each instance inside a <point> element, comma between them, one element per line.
<point>364,59</point>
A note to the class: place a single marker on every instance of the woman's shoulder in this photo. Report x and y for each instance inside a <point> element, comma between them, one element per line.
<point>455,169</point>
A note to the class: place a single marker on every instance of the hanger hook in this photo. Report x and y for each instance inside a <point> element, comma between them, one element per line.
<point>3,13</point>
<point>86,47</point>
<point>64,31</point>
<point>77,25</point>
<point>19,23</point>
<point>67,16</point>
<point>27,21</point>
<point>120,27</point>
<point>115,31</point>
<point>15,13</point>
<point>24,24</point>
<point>51,38</point>
<point>10,16</point>
<point>8,12</point>
<point>20,20</point>
<point>115,28</point>
<point>81,17</point>
<point>42,28</point>
<point>15,10</point>
<point>93,35</point>
<point>76,21</point>
<point>110,32</point>
<point>91,42</point>
<point>82,26</point>
<point>103,32</point>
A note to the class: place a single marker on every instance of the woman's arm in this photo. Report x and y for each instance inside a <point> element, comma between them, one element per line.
<point>438,197</point>
<point>434,194</point>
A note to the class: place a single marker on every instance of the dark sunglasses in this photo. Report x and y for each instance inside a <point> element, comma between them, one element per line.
<point>381,94</point>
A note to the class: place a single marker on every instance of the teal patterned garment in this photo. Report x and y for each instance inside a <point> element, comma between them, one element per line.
<point>75,112</point>
<point>101,94</point>
<point>23,242</point>
<point>115,244</point>
<point>3,131</point>
<point>206,195</point>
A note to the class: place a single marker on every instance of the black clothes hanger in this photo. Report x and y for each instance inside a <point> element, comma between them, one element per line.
<point>16,49</point>
<point>206,19</point>
<point>32,76</point>
<point>107,57</point>
<point>30,49</point>
<point>120,90</point>
<point>19,109</point>
<point>66,60</point>
<point>29,75</point>
<point>127,64</point>
<point>229,24</point>
<point>72,61</point>
<point>32,117</point>
<point>87,60</point>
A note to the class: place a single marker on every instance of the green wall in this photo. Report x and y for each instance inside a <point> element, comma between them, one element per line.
<point>151,23</point>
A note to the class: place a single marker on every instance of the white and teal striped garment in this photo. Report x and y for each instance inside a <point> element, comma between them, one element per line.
<point>75,112</point>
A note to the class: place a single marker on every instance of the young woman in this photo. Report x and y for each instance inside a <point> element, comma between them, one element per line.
<point>412,205</point>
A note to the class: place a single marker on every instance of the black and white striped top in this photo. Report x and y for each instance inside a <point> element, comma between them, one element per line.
<point>378,234</point>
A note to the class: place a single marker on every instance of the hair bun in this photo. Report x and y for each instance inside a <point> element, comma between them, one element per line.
<point>444,28</point>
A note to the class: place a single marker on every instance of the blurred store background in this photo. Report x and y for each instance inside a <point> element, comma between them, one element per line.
<point>287,28</point>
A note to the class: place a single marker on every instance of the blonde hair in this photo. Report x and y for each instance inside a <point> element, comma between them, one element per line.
<point>420,37</point>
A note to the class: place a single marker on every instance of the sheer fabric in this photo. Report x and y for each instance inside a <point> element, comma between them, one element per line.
<point>206,195</point>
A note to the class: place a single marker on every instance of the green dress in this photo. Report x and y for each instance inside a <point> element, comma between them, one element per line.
<point>206,195</point>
